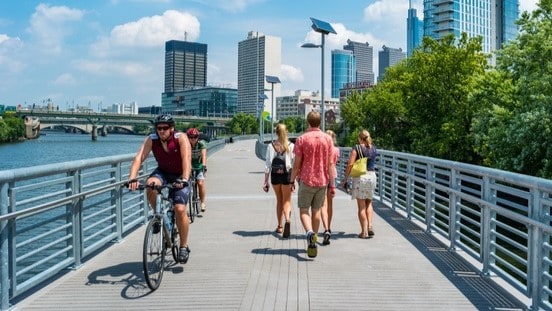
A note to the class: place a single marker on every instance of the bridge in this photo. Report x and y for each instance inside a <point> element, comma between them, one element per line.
<point>449,236</point>
<point>90,122</point>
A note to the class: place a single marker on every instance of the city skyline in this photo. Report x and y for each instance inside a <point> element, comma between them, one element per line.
<point>106,52</point>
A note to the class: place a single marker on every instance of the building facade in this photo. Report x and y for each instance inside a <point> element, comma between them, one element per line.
<point>303,102</point>
<point>185,65</point>
<point>414,30</point>
<point>201,102</point>
<point>364,60</point>
<point>389,57</point>
<point>258,56</point>
<point>343,70</point>
<point>493,20</point>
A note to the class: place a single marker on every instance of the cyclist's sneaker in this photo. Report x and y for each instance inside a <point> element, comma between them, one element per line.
<point>203,207</point>
<point>312,249</point>
<point>184,255</point>
<point>156,227</point>
<point>327,236</point>
<point>286,233</point>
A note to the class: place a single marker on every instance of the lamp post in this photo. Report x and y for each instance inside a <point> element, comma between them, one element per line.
<point>323,28</point>
<point>272,80</point>
<point>260,108</point>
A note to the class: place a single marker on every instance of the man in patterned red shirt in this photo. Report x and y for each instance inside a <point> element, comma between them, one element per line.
<point>315,169</point>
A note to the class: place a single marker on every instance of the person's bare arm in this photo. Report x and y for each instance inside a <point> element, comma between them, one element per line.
<point>139,158</point>
<point>186,154</point>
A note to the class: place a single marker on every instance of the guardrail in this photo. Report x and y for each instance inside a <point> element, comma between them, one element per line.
<point>52,216</point>
<point>500,219</point>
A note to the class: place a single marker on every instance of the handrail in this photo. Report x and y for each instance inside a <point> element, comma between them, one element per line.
<point>54,215</point>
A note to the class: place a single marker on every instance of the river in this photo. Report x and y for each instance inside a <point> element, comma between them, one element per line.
<point>56,146</point>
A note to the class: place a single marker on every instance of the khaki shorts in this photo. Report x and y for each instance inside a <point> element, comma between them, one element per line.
<point>312,197</point>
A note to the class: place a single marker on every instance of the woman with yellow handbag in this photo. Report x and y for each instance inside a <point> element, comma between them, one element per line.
<point>364,181</point>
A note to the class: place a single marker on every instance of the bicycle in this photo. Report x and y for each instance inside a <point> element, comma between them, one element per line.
<point>161,234</point>
<point>194,204</point>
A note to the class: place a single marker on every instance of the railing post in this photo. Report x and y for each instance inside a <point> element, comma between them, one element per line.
<point>75,209</point>
<point>429,197</point>
<point>116,200</point>
<point>4,253</point>
<point>454,224</point>
<point>409,192</point>
<point>486,218</point>
<point>536,268</point>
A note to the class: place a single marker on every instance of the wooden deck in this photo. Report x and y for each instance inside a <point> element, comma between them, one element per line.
<point>238,263</point>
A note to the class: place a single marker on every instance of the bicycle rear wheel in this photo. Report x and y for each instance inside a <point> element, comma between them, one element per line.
<point>191,211</point>
<point>195,199</point>
<point>154,253</point>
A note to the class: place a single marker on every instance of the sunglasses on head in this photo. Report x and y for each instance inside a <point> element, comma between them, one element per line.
<point>163,128</point>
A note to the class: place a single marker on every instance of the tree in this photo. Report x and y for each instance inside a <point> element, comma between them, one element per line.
<point>243,123</point>
<point>514,133</point>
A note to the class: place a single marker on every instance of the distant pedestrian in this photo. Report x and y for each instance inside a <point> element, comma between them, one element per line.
<point>278,164</point>
<point>327,208</point>
<point>364,186</point>
<point>314,167</point>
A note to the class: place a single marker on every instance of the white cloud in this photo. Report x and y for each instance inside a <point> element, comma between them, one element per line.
<point>48,25</point>
<point>527,5</point>
<point>65,79</point>
<point>156,30</point>
<point>290,73</point>
<point>9,49</point>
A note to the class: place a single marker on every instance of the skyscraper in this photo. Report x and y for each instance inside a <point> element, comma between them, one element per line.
<point>414,30</point>
<point>493,20</point>
<point>364,59</point>
<point>343,70</point>
<point>387,58</point>
<point>258,56</point>
<point>185,65</point>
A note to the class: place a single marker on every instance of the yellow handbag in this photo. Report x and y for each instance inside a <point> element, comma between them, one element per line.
<point>359,167</point>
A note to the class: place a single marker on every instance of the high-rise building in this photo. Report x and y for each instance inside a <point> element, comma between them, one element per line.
<point>258,56</point>
<point>387,58</point>
<point>493,20</point>
<point>414,30</point>
<point>364,60</point>
<point>185,65</point>
<point>343,70</point>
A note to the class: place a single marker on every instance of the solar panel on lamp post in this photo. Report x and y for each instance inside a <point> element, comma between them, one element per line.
<point>272,80</point>
<point>323,28</point>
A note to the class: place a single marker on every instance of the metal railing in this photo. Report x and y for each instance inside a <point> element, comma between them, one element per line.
<point>53,216</point>
<point>501,219</point>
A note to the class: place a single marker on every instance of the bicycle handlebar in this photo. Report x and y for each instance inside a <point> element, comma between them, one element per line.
<point>158,188</point>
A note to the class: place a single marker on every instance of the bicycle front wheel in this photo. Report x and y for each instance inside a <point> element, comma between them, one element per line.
<point>175,242</point>
<point>154,253</point>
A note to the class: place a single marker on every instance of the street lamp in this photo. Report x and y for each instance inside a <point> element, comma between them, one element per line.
<point>272,80</point>
<point>323,28</point>
<point>260,109</point>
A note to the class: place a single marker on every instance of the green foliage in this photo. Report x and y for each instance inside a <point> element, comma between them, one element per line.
<point>295,124</point>
<point>11,128</point>
<point>243,123</point>
<point>513,132</point>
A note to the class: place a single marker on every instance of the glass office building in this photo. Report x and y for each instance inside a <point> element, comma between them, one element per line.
<point>364,60</point>
<point>414,30</point>
<point>493,20</point>
<point>343,70</point>
<point>201,102</point>
<point>185,65</point>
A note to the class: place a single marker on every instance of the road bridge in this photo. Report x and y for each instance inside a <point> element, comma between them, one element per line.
<point>90,122</point>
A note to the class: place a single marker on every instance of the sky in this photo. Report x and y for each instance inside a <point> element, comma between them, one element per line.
<point>98,53</point>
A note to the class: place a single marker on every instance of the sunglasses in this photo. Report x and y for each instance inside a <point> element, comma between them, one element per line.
<point>192,137</point>
<point>163,128</point>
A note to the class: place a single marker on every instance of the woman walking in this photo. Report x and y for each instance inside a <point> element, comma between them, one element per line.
<point>278,164</point>
<point>363,186</point>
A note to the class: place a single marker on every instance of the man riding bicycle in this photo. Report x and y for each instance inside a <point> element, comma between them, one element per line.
<point>172,152</point>
<point>199,162</point>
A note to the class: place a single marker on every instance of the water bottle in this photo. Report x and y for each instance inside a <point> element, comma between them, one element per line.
<point>168,219</point>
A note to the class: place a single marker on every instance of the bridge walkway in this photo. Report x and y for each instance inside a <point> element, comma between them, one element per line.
<point>238,262</point>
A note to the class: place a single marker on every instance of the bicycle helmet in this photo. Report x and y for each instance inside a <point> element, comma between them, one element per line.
<point>192,132</point>
<point>164,118</point>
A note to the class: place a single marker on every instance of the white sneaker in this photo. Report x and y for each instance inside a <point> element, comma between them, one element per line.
<point>203,207</point>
